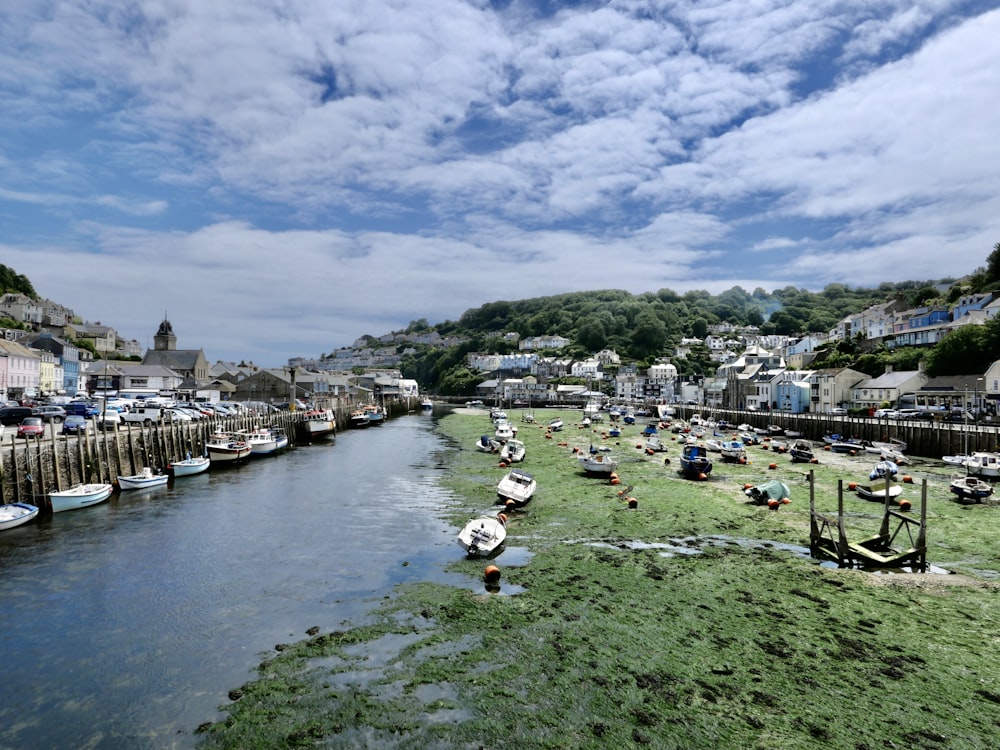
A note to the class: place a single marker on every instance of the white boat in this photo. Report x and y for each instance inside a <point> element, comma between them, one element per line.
<point>516,486</point>
<point>262,442</point>
<point>597,464</point>
<point>870,493</point>
<point>427,405</point>
<point>482,537</point>
<point>802,451</point>
<point>513,451</point>
<point>505,431</point>
<point>143,480</point>
<point>80,496</point>
<point>956,460</point>
<point>970,489</point>
<point>654,444</point>
<point>734,451</point>
<point>320,423</point>
<point>487,444</point>
<point>358,419</point>
<point>190,465</point>
<point>556,424</point>
<point>983,464</point>
<point>224,447</point>
<point>16,514</point>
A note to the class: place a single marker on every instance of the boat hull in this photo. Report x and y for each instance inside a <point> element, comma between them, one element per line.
<point>80,496</point>
<point>142,481</point>
<point>483,537</point>
<point>16,514</point>
<point>189,466</point>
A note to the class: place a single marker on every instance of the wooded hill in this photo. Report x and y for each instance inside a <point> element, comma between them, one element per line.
<point>642,327</point>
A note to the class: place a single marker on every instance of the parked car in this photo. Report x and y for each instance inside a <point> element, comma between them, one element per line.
<point>12,415</point>
<point>109,419</point>
<point>75,424</point>
<point>31,427</point>
<point>838,411</point>
<point>81,408</point>
<point>885,414</point>
<point>49,413</point>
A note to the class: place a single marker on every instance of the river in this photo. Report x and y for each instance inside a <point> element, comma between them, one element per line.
<point>125,625</point>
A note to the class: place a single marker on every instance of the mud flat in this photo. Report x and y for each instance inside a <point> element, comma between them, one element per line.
<point>693,619</point>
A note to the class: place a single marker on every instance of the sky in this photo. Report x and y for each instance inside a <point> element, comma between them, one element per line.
<point>280,177</point>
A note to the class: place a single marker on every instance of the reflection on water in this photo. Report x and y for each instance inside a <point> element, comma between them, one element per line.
<point>126,624</point>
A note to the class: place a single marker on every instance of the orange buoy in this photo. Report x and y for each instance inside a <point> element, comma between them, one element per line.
<point>614,474</point>
<point>772,504</point>
<point>503,464</point>
<point>548,435</point>
<point>703,476</point>
<point>747,486</point>
<point>742,461</point>
<point>502,518</point>
<point>638,445</point>
<point>904,505</point>
<point>649,451</point>
<point>615,480</point>
<point>510,504</point>
<point>908,479</point>
<point>786,500</point>
<point>491,574</point>
<point>632,502</point>
<point>826,447</point>
<point>852,486</point>
<point>772,466</point>
<point>813,461</point>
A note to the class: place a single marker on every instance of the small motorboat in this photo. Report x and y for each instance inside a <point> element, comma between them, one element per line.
<point>487,444</point>
<point>556,424</point>
<point>484,536</point>
<point>970,489</point>
<point>597,464</point>
<point>16,514</point>
<point>513,451</point>
<point>80,496</point>
<point>734,451</point>
<point>802,452</point>
<point>884,469</point>
<point>188,466</point>
<point>517,487</point>
<point>143,480</point>
<point>870,493</point>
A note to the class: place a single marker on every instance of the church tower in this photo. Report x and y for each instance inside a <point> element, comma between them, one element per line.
<point>164,340</point>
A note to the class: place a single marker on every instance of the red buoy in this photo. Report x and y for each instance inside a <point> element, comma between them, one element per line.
<point>491,574</point>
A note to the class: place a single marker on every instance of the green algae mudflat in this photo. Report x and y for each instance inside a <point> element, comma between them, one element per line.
<point>694,619</point>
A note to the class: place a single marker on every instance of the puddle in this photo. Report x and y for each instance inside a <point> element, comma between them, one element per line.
<point>696,545</point>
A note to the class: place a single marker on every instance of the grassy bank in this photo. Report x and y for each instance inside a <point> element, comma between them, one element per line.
<point>693,620</point>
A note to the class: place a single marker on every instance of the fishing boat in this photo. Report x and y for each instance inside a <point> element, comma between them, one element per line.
<point>983,464</point>
<point>655,445</point>
<point>695,463</point>
<point>483,537</point>
<point>375,414</point>
<point>358,419</point>
<point>16,514</point>
<point>80,496</point>
<point>516,487</point>
<point>143,480</point>
<point>189,465</point>
<point>262,442</point>
<point>225,447</point>
<point>319,423</point>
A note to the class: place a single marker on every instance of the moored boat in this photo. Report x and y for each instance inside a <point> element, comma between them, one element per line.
<point>769,493</point>
<point>224,447</point>
<point>358,419</point>
<point>143,480</point>
<point>513,451</point>
<point>320,423</point>
<point>16,514</point>
<point>802,452</point>
<point>483,537</point>
<point>516,487</point>
<point>970,489</point>
<point>80,496</point>
<point>487,444</point>
<point>733,451</point>
<point>695,462</point>
<point>188,466</point>
<point>597,464</point>
<point>262,442</point>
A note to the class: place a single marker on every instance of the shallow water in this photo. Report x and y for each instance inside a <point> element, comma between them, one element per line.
<point>126,624</point>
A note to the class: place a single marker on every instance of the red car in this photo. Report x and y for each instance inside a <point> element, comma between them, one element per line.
<point>31,426</point>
